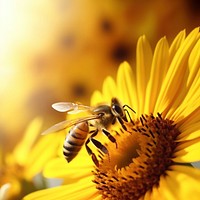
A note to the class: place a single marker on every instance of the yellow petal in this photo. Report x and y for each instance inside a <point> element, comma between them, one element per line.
<point>192,120</point>
<point>84,189</point>
<point>97,197</point>
<point>184,182</point>
<point>147,196</point>
<point>126,85</point>
<point>192,156</point>
<point>190,133</point>
<point>155,194</point>
<point>188,151</point>
<point>59,168</point>
<point>194,63</point>
<point>188,145</point>
<point>157,74</point>
<point>22,151</point>
<point>45,149</point>
<point>96,98</point>
<point>109,89</point>
<point>186,122</point>
<point>192,98</point>
<point>143,66</point>
<point>177,42</point>
<point>193,85</point>
<point>173,88</point>
<point>189,120</point>
<point>166,191</point>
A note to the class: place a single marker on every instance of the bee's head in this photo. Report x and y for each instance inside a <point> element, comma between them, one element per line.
<point>117,109</point>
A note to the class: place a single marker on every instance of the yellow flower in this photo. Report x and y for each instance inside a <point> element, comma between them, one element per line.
<point>153,156</point>
<point>18,168</point>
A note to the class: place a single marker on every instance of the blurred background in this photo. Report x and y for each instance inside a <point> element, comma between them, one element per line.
<point>62,50</point>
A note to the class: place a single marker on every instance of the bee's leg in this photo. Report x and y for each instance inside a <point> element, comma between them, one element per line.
<point>98,145</point>
<point>121,121</point>
<point>110,137</point>
<point>94,132</point>
<point>93,156</point>
<point>96,142</point>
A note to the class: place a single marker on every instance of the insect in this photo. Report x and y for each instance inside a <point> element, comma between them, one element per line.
<point>86,128</point>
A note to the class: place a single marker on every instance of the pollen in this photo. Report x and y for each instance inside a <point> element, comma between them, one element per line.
<point>144,153</point>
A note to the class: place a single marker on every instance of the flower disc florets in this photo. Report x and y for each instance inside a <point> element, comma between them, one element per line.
<point>144,153</point>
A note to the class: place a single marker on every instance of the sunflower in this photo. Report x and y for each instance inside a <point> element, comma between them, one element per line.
<point>19,168</point>
<point>156,144</point>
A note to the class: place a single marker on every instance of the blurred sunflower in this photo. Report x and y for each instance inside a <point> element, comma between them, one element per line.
<point>152,160</point>
<point>18,169</point>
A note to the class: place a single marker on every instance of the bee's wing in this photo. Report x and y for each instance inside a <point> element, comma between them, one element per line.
<point>70,107</point>
<point>67,123</point>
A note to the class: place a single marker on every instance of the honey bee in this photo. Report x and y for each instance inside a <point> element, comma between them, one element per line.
<point>99,120</point>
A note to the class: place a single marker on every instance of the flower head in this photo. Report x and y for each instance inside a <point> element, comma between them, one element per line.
<point>155,145</point>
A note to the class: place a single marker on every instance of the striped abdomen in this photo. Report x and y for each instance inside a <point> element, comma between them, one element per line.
<point>75,140</point>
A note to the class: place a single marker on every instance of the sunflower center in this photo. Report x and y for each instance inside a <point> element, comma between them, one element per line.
<point>144,153</point>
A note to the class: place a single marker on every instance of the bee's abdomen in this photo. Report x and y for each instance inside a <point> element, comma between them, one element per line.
<point>75,140</point>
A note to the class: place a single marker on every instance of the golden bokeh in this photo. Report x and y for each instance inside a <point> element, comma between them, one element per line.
<point>62,50</point>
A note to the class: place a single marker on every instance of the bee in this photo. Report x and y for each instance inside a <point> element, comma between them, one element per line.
<point>100,118</point>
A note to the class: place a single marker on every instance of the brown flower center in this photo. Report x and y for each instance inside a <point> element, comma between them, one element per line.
<point>144,153</point>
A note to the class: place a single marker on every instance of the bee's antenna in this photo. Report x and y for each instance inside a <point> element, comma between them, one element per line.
<point>129,108</point>
<point>128,112</point>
